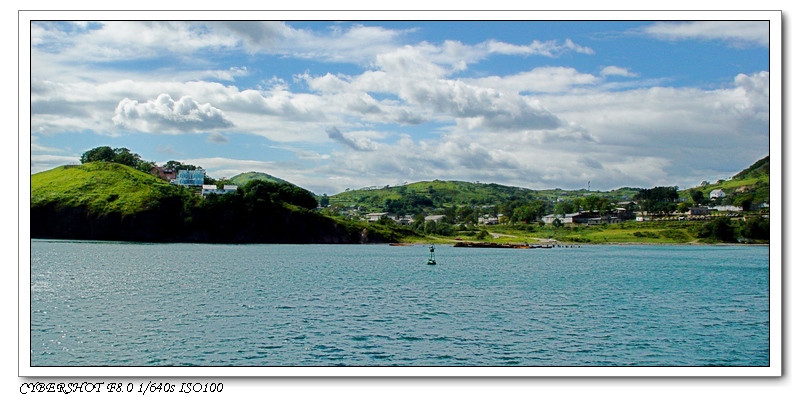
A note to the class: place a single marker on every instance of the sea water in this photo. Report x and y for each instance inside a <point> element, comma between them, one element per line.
<point>124,304</point>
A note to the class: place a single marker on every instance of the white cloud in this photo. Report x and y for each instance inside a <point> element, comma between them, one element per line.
<point>737,33</point>
<point>537,126</point>
<point>543,79</point>
<point>356,141</point>
<point>756,93</point>
<point>617,71</point>
<point>218,138</point>
<point>169,116</point>
<point>550,48</point>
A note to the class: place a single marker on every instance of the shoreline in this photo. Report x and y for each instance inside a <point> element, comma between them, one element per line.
<point>403,244</point>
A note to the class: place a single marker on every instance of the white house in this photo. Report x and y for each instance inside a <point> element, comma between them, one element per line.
<point>549,219</point>
<point>489,220</point>
<point>729,208</point>
<point>376,216</point>
<point>404,220</point>
<point>212,189</point>
<point>717,193</point>
<point>435,218</point>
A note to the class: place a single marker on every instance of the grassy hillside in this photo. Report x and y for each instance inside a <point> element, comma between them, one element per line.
<point>103,188</point>
<point>436,194</point>
<point>750,184</point>
<point>109,201</point>
<point>242,179</point>
<point>758,169</point>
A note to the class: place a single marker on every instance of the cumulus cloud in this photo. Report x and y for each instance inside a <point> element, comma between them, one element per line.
<point>756,93</point>
<point>543,127</point>
<point>116,40</point>
<point>167,115</point>
<point>736,33</point>
<point>617,71</point>
<point>543,79</point>
<point>421,83</point>
<point>354,141</point>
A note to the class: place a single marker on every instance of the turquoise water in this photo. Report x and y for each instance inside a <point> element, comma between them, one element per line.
<point>119,304</point>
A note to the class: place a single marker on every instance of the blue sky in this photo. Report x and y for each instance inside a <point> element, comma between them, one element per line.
<point>337,105</point>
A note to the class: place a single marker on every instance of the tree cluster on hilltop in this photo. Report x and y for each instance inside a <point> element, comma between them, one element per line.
<point>118,155</point>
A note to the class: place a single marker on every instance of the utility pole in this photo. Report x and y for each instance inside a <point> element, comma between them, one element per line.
<point>589,186</point>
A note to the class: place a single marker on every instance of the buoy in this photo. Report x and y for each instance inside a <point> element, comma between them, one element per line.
<point>432,258</point>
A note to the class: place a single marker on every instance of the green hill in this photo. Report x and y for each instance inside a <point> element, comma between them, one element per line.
<point>109,201</point>
<point>242,179</point>
<point>750,185</point>
<point>103,188</point>
<point>438,194</point>
<point>759,169</point>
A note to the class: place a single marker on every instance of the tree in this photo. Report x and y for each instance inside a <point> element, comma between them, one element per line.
<point>592,203</point>
<point>324,201</point>
<point>467,214</point>
<point>124,156</point>
<point>430,227</point>
<point>101,153</point>
<point>698,197</point>
<point>259,191</point>
<point>658,200</point>
<point>177,166</point>
<point>565,207</point>
<point>118,155</point>
<point>719,229</point>
<point>756,228</point>
<point>145,166</point>
<point>744,200</point>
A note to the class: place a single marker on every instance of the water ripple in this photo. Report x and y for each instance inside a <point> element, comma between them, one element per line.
<point>118,304</point>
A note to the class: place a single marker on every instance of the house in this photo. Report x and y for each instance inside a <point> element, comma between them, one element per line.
<point>404,220</point>
<point>376,216</point>
<point>699,211</point>
<point>435,218</point>
<point>717,193</point>
<point>191,177</point>
<point>728,208</point>
<point>564,218</point>
<point>488,220</point>
<point>212,189</point>
<point>585,217</point>
<point>163,173</point>
<point>593,218</point>
<point>623,213</point>
<point>597,220</point>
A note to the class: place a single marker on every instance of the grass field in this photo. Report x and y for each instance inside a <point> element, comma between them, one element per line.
<point>623,233</point>
<point>102,188</point>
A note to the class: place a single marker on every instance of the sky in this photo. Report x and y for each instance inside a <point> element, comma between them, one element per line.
<point>336,105</point>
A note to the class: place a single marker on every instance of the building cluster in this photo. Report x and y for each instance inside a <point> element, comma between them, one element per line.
<point>191,178</point>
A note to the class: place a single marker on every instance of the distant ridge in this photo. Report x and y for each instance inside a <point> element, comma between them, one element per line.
<point>242,179</point>
<point>759,168</point>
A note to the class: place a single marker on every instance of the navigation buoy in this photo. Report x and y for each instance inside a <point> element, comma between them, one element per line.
<point>432,258</point>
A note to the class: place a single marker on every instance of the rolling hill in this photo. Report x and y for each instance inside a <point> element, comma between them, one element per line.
<point>437,194</point>
<point>109,201</point>
<point>242,179</point>
<point>751,184</point>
